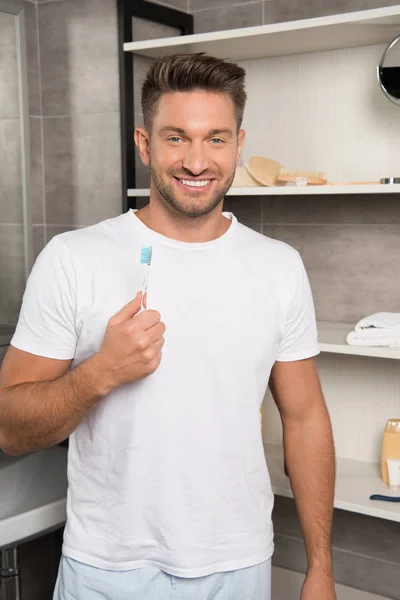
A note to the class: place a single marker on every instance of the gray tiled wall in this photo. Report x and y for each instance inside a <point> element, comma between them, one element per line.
<point>80,127</point>
<point>11,219</point>
<point>366,550</point>
<point>215,15</point>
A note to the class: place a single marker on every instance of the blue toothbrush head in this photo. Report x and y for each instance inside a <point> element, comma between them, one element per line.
<point>145,256</point>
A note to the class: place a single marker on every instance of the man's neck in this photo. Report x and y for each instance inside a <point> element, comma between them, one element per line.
<point>181,227</point>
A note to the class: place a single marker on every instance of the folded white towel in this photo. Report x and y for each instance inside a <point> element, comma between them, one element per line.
<point>374,338</point>
<point>379,329</point>
<point>373,333</point>
<point>382,320</point>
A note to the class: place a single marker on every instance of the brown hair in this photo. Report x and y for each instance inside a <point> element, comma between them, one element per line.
<point>187,72</point>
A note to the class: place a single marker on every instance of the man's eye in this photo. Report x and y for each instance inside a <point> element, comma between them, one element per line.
<point>175,139</point>
<point>217,141</point>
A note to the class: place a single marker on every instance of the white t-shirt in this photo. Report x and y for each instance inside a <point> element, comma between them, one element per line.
<point>170,471</point>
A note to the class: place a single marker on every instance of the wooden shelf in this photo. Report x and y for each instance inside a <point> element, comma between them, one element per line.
<point>355,482</point>
<point>349,30</point>
<point>293,190</point>
<point>332,339</point>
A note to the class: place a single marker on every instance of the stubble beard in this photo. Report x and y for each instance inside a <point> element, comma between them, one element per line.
<point>189,208</point>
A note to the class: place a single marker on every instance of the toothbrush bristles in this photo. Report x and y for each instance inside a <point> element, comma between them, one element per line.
<point>145,257</point>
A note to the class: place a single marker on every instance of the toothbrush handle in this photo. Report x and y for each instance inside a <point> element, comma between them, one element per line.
<point>144,290</point>
<point>387,498</point>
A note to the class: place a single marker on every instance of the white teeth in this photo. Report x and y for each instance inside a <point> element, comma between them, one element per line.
<point>195,183</point>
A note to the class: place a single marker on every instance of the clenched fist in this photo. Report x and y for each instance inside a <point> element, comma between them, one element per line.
<point>131,347</point>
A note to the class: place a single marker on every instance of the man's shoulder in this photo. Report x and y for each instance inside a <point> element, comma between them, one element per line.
<point>265,245</point>
<point>98,235</point>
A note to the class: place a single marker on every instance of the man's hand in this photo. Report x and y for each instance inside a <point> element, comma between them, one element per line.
<point>131,347</point>
<point>319,585</point>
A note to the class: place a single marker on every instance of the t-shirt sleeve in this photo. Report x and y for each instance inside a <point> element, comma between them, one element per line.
<point>46,323</point>
<point>300,337</point>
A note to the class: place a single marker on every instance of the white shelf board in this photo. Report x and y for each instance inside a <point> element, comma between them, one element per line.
<point>138,193</point>
<point>349,30</point>
<point>356,481</point>
<point>332,339</point>
<point>292,190</point>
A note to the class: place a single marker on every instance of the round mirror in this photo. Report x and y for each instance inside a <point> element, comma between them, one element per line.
<point>389,71</point>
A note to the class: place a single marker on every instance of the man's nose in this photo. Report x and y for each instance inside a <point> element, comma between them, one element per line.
<point>195,159</point>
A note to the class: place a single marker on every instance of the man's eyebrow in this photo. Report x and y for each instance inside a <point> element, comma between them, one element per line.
<point>223,131</point>
<point>172,128</point>
<point>212,132</point>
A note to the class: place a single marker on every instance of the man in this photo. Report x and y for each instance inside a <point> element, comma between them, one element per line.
<point>169,494</point>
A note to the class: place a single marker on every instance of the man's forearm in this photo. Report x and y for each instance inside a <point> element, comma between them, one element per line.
<point>310,459</point>
<point>40,414</point>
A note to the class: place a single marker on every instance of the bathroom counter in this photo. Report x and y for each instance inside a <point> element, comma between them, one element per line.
<point>33,491</point>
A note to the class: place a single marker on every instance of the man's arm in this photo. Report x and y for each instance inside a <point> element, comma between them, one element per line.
<point>41,402</point>
<point>310,458</point>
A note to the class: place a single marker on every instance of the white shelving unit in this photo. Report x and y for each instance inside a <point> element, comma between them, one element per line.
<point>348,125</point>
<point>356,481</point>
<point>349,33</point>
<point>350,30</point>
<point>292,190</point>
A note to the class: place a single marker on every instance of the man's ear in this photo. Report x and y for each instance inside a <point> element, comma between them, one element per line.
<point>142,141</point>
<point>241,138</point>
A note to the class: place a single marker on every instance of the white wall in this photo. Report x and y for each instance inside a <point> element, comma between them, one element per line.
<point>323,111</point>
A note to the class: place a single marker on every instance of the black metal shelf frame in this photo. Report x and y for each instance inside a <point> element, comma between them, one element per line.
<point>157,13</point>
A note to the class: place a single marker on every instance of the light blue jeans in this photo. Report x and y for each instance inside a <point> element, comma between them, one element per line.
<point>78,581</point>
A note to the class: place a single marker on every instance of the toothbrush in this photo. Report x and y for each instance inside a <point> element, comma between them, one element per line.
<point>387,498</point>
<point>145,259</point>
